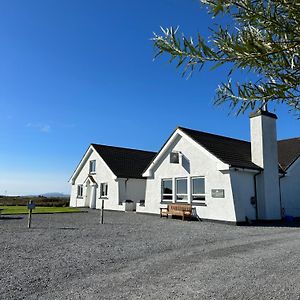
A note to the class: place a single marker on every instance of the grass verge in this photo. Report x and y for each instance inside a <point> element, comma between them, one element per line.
<point>18,210</point>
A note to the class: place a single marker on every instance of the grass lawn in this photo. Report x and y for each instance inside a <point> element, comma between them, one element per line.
<point>16,210</point>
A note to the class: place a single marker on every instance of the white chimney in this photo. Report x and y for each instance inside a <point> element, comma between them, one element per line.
<point>264,154</point>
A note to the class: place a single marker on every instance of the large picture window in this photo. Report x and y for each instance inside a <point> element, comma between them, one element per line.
<point>103,189</point>
<point>92,166</point>
<point>79,191</point>
<point>181,190</point>
<point>167,189</point>
<point>198,189</point>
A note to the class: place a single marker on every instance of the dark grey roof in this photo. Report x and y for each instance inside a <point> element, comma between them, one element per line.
<point>125,162</point>
<point>237,153</point>
<point>288,152</point>
<point>234,152</point>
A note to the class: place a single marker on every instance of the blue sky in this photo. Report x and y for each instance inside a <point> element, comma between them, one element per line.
<point>77,72</point>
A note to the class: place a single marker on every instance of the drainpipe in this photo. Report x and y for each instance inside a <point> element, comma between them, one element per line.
<point>280,198</point>
<point>255,194</point>
<point>126,180</point>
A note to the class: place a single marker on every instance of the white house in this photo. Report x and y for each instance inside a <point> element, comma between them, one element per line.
<point>224,179</point>
<point>227,179</point>
<point>110,173</point>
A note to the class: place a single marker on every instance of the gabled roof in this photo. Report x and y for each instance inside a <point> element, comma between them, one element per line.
<point>234,152</point>
<point>288,152</point>
<point>237,153</point>
<point>125,162</point>
<point>91,178</point>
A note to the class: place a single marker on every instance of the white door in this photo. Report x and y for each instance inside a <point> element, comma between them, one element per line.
<point>93,193</point>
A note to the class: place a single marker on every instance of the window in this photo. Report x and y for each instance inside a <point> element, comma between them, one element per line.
<point>92,166</point>
<point>181,190</point>
<point>198,189</point>
<point>79,191</point>
<point>103,189</point>
<point>167,189</point>
<point>174,158</point>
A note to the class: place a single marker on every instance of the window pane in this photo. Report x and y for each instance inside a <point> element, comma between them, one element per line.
<point>182,197</point>
<point>92,166</point>
<point>198,186</point>
<point>198,198</point>
<point>174,158</point>
<point>103,189</point>
<point>79,190</point>
<point>181,186</point>
<point>167,186</point>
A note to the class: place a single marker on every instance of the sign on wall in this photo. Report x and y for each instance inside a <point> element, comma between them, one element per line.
<point>218,193</point>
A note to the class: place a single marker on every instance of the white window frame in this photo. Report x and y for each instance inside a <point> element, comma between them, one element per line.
<point>162,190</point>
<point>103,190</point>
<point>197,195</point>
<point>181,195</point>
<point>93,166</point>
<point>80,191</point>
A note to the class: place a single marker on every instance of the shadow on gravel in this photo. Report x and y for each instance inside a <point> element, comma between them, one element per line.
<point>293,224</point>
<point>10,217</point>
<point>68,228</point>
<point>52,228</point>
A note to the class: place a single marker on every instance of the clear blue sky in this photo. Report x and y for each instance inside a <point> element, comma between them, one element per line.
<point>73,72</point>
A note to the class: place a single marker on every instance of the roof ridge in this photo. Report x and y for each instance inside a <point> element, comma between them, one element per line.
<point>212,134</point>
<point>124,148</point>
<point>289,139</point>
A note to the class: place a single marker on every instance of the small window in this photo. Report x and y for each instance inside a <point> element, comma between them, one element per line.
<point>79,191</point>
<point>92,166</point>
<point>167,189</point>
<point>198,189</point>
<point>103,189</point>
<point>181,190</point>
<point>174,158</point>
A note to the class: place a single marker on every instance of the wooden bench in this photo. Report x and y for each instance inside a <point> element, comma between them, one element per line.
<point>175,209</point>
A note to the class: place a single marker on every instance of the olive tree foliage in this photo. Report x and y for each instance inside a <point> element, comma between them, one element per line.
<point>263,37</point>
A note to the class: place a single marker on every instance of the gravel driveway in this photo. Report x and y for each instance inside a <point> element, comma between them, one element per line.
<point>135,256</point>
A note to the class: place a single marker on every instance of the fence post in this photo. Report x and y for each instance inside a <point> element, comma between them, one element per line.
<point>102,211</point>
<point>29,213</point>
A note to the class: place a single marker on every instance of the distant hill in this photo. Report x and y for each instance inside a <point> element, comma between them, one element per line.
<point>57,195</point>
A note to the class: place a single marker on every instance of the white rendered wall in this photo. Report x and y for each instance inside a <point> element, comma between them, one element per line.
<point>264,154</point>
<point>243,189</point>
<point>103,174</point>
<point>198,164</point>
<point>290,190</point>
<point>132,189</point>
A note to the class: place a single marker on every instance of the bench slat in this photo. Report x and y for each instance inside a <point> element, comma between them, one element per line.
<point>175,209</point>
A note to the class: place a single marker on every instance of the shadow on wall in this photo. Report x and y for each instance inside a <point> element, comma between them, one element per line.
<point>186,164</point>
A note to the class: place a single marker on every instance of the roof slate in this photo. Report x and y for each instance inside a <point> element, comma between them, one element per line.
<point>131,163</point>
<point>237,153</point>
<point>234,152</point>
<point>125,162</point>
<point>288,152</point>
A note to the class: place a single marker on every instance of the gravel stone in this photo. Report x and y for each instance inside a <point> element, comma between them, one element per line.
<point>136,256</point>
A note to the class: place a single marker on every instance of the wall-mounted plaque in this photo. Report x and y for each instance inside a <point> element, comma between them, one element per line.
<point>218,193</point>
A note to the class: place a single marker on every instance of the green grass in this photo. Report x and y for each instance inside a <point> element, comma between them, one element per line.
<point>17,210</point>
